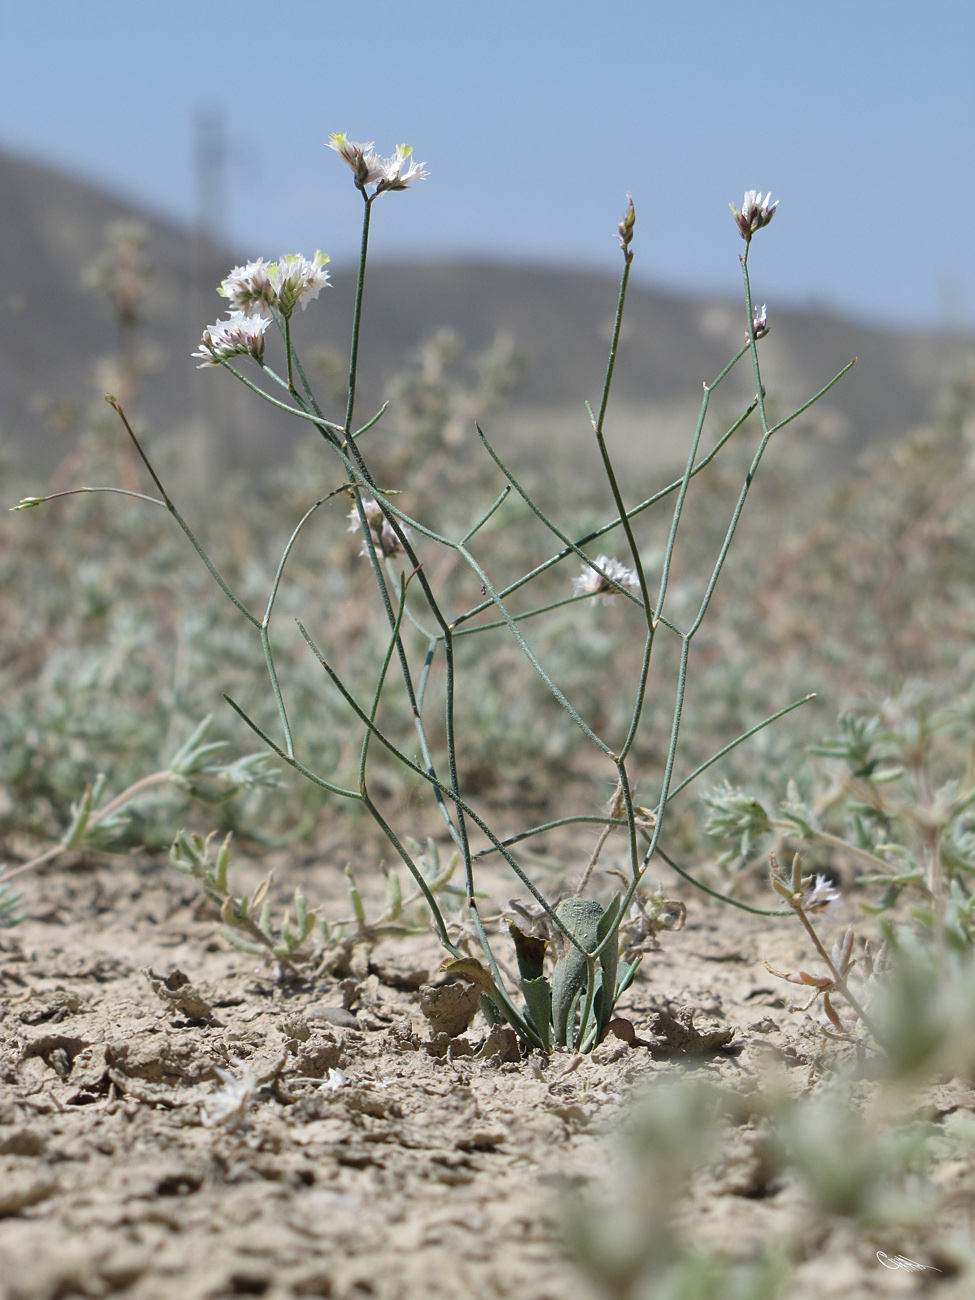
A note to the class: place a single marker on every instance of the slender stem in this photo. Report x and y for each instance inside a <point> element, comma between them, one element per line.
<point>681,496</point>
<point>594,857</point>
<point>425,672</point>
<point>611,822</point>
<point>631,514</point>
<point>394,516</point>
<point>181,521</point>
<point>381,682</point>
<point>265,638</point>
<point>835,842</point>
<point>370,423</point>
<point>838,979</point>
<point>530,654</point>
<point>546,609</point>
<point>415,872</point>
<point>745,735</point>
<point>54,851</point>
<point>577,819</point>
<point>729,536</point>
<point>614,345</point>
<point>276,690</point>
<point>814,399</point>
<point>752,341</point>
<point>29,502</point>
<point>484,518</point>
<point>432,779</point>
<point>287,346</point>
<point>597,425</point>
<point>291,541</point>
<point>292,762</point>
<point>120,800</point>
<point>725,898</point>
<point>357,313</point>
<point>360,472</point>
<point>624,789</point>
<point>572,547</point>
<point>641,690</point>
<point>324,426</point>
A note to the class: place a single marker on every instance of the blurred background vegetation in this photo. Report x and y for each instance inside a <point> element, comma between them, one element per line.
<point>851,575</point>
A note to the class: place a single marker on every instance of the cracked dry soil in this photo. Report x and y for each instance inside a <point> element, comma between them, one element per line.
<point>380,1154</point>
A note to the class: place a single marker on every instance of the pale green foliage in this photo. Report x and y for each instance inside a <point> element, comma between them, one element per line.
<point>247,920</point>
<point>833,1151</point>
<point>11,912</point>
<point>895,798</point>
<point>623,1234</point>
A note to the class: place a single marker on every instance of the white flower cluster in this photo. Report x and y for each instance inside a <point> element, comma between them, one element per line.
<point>594,584</point>
<point>384,539</point>
<point>371,168</point>
<point>281,284</point>
<point>240,335</point>
<point>754,213</point>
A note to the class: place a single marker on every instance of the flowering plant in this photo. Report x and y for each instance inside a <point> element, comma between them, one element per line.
<point>571,972</point>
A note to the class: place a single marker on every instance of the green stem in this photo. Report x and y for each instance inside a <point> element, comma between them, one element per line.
<point>357,313</point>
<point>292,762</point>
<point>276,689</point>
<point>181,521</point>
<point>572,547</point>
<point>28,503</point>
<point>287,346</point>
<point>325,427</point>
<point>753,342</point>
<point>377,695</point>
<point>706,889</point>
<point>838,979</point>
<point>432,779</point>
<point>415,872</point>
<point>597,425</point>
<point>576,546</point>
<point>745,735</point>
<point>484,518</point>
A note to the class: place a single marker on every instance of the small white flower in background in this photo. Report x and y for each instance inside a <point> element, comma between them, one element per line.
<point>760,321</point>
<point>372,169</point>
<point>384,539</point>
<point>240,335</point>
<point>820,895</point>
<point>754,213</point>
<point>591,583</point>
<point>282,284</point>
<point>337,1079</point>
<point>229,1105</point>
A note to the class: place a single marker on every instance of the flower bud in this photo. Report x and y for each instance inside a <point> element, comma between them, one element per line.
<point>626,228</point>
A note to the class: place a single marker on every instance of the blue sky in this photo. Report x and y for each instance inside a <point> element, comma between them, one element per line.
<point>535,120</point>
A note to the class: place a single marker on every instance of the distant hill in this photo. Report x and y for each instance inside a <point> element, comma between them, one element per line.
<point>52,331</point>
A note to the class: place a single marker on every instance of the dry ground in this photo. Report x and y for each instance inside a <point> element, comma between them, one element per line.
<point>429,1167</point>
